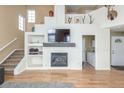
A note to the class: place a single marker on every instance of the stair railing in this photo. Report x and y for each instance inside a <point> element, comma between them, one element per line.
<point>6,45</point>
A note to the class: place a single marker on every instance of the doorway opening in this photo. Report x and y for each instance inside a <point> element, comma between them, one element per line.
<point>88,51</point>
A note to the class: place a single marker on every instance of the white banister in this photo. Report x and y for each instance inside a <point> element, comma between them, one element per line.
<point>6,45</point>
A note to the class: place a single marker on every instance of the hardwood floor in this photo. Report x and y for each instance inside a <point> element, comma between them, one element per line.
<point>88,77</point>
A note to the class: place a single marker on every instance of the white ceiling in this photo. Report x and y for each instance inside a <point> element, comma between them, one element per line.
<point>81,6</point>
<point>76,8</point>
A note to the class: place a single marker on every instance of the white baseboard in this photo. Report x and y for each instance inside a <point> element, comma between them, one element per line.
<point>102,68</point>
<point>8,56</point>
<point>20,67</point>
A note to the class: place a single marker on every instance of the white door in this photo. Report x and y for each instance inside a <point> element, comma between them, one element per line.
<point>117,51</point>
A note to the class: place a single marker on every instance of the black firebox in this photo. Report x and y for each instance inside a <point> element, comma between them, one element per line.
<point>59,59</point>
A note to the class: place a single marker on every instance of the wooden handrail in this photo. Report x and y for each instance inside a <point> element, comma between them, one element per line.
<point>6,45</point>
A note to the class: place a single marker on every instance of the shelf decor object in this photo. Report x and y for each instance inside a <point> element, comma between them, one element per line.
<point>51,13</point>
<point>68,19</point>
<point>77,20</point>
<point>83,19</point>
<point>33,29</point>
<point>91,19</point>
<point>112,13</point>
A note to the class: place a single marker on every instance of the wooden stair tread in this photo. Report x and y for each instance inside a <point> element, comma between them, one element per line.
<point>13,59</point>
<point>20,56</point>
<point>9,69</point>
<point>10,64</point>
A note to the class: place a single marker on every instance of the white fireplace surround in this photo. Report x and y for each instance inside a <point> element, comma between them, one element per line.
<point>70,60</point>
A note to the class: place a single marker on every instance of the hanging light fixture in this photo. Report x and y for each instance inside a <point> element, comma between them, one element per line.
<point>112,13</point>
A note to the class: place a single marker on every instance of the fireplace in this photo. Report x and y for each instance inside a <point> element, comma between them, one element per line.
<point>59,60</point>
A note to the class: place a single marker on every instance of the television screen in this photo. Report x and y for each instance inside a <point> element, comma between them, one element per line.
<point>59,35</point>
<point>62,35</point>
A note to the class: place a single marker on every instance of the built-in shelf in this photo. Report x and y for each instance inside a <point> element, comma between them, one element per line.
<point>35,44</point>
<point>34,49</point>
<point>35,34</point>
<point>35,55</point>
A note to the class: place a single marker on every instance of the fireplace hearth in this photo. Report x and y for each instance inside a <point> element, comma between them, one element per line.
<point>59,60</point>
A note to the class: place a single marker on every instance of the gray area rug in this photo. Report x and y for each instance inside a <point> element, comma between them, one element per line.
<point>36,85</point>
<point>118,67</point>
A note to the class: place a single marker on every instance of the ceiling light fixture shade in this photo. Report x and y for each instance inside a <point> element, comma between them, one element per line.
<point>112,13</point>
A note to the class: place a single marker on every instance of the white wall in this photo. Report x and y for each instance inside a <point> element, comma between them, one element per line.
<point>49,20</point>
<point>103,49</point>
<point>102,37</point>
<point>59,14</point>
<point>100,16</point>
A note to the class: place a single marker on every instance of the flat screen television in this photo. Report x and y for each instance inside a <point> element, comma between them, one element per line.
<point>59,35</point>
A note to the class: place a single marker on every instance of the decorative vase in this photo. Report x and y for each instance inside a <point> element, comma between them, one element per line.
<point>69,20</point>
<point>51,13</point>
<point>33,29</point>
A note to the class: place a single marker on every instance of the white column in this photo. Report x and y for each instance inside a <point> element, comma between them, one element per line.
<point>59,14</point>
<point>103,50</point>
